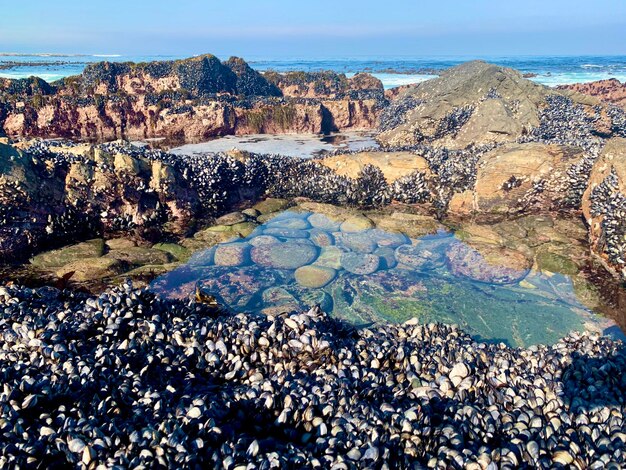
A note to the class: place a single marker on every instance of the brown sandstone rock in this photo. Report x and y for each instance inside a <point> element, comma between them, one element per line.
<point>516,177</point>
<point>393,164</point>
<point>198,97</point>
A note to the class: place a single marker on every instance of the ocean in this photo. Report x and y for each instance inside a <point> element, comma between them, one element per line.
<point>392,71</point>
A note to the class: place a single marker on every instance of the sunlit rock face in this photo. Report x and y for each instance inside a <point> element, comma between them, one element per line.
<point>192,98</point>
<point>477,103</point>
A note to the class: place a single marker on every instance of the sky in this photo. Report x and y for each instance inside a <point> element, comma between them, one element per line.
<point>314,29</point>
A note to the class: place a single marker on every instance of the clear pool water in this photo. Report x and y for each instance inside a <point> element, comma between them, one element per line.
<point>297,260</point>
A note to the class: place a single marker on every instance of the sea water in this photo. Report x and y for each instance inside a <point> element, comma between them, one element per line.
<point>392,71</point>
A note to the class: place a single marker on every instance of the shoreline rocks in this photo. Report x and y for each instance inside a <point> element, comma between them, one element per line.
<point>199,97</point>
<point>476,104</point>
<point>609,91</point>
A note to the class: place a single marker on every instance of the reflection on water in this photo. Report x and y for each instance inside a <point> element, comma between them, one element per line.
<point>297,260</point>
<point>293,145</point>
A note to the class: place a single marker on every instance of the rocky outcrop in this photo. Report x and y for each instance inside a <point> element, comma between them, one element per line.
<point>604,205</point>
<point>477,103</point>
<point>79,191</point>
<point>518,178</point>
<point>192,98</point>
<point>394,165</point>
<point>609,91</point>
<point>325,84</point>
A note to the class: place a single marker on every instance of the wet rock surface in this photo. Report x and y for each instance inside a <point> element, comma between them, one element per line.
<point>169,383</point>
<point>285,255</point>
<point>465,261</point>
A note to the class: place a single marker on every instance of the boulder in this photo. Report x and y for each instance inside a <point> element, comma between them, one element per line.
<point>555,263</point>
<point>231,219</point>
<point>516,177</point>
<point>140,256</point>
<point>185,98</point>
<point>476,104</point>
<point>120,243</point>
<point>270,205</point>
<point>411,225</point>
<point>394,165</point>
<point>609,91</point>
<point>357,223</point>
<point>180,253</point>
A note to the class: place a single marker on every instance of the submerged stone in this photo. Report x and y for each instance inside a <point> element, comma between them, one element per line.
<point>357,263</point>
<point>465,261</point>
<point>389,239</point>
<point>286,232</point>
<point>387,257</point>
<point>357,223</point>
<point>286,255</point>
<point>330,257</point>
<point>232,254</point>
<point>360,242</point>
<point>421,256</point>
<point>314,276</point>
<point>238,288</point>
<point>324,223</point>
<point>264,240</point>
<point>321,238</point>
<point>295,223</point>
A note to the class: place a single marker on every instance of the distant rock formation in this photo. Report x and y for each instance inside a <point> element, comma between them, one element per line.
<point>477,103</point>
<point>609,91</point>
<point>192,98</point>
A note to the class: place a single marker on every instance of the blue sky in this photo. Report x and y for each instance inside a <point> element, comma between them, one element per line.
<point>322,28</point>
